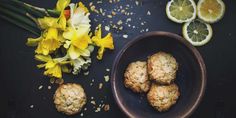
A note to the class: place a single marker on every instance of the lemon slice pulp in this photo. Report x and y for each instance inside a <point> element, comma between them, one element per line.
<point>181,11</point>
<point>197,32</point>
<point>210,11</point>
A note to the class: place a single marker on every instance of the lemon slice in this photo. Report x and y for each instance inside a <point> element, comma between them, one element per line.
<point>210,11</point>
<point>197,32</point>
<point>181,11</point>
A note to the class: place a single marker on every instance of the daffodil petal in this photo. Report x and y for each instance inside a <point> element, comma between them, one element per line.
<point>33,42</point>
<point>69,33</point>
<point>43,58</point>
<point>50,64</point>
<point>85,9</point>
<point>100,53</point>
<point>62,4</point>
<point>73,52</point>
<point>54,71</point>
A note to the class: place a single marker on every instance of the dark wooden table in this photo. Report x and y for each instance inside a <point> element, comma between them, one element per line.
<point>20,78</point>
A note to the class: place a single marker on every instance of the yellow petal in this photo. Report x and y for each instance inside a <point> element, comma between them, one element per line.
<point>62,4</point>
<point>85,9</point>
<point>33,42</point>
<point>106,42</point>
<point>41,65</point>
<point>52,33</point>
<point>69,33</point>
<point>50,43</point>
<point>98,32</point>
<point>43,58</point>
<point>81,42</point>
<point>62,21</point>
<point>50,64</point>
<point>47,22</point>
<point>54,71</point>
<point>41,50</point>
<point>73,52</point>
<point>100,53</point>
<point>103,43</point>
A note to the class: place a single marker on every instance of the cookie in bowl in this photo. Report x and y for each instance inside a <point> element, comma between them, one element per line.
<point>136,77</point>
<point>162,68</point>
<point>162,97</point>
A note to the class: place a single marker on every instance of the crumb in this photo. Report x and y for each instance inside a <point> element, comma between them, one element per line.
<point>107,28</point>
<point>100,85</point>
<point>107,107</point>
<point>149,13</point>
<point>86,73</point>
<point>98,109</point>
<point>82,114</point>
<point>125,36</point>
<point>31,106</point>
<point>119,22</point>
<point>59,81</point>
<point>40,87</point>
<point>106,78</point>
<point>49,87</point>
<point>109,16</point>
<point>108,70</point>
<point>52,80</point>
<point>93,102</point>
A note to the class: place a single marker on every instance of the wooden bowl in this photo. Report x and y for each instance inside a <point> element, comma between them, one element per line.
<point>191,76</point>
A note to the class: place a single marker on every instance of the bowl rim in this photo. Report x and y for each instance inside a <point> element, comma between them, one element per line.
<point>180,39</point>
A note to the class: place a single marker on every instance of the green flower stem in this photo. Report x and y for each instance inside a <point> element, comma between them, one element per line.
<point>13,8</point>
<point>21,25</point>
<point>45,12</point>
<point>18,17</point>
<point>25,7</point>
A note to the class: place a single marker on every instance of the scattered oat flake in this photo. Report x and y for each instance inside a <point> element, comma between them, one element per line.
<point>86,73</point>
<point>119,22</point>
<point>100,85</point>
<point>93,102</point>
<point>106,78</point>
<point>31,106</point>
<point>98,109</point>
<point>49,87</point>
<point>107,69</point>
<point>125,36</point>
<point>107,28</point>
<point>109,16</point>
<point>107,107</point>
<point>81,114</point>
<point>40,87</point>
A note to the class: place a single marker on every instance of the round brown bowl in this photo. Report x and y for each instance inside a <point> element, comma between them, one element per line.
<point>191,76</point>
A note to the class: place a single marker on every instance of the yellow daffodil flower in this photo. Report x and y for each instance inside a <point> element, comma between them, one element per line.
<point>78,39</point>
<point>53,67</point>
<point>50,43</point>
<point>62,4</point>
<point>103,43</point>
<point>48,22</point>
<point>79,16</point>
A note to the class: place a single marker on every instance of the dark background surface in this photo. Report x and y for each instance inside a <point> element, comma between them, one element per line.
<point>20,78</point>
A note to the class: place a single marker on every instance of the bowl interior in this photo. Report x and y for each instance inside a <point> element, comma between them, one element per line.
<point>189,76</point>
